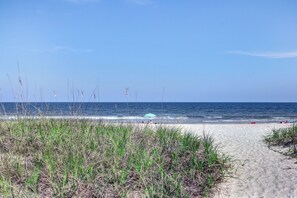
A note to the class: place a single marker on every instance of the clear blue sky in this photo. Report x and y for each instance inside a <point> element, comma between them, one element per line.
<point>212,51</point>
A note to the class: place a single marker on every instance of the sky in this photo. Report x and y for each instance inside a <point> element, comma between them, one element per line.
<point>148,50</point>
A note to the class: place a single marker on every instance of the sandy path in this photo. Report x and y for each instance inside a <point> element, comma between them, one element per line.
<point>259,171</point>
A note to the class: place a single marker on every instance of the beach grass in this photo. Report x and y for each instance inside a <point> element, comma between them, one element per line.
<point>285,137</point>
<point>79,158</point>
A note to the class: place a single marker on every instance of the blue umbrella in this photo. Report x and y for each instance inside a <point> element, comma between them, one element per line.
<point>149,115</point>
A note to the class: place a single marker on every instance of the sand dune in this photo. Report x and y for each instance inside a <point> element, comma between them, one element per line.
<point>258,171</point>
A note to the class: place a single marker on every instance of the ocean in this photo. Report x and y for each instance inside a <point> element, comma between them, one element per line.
<point>165,112</point>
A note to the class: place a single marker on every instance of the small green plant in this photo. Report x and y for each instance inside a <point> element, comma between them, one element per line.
<point>66,158</point>
<point>286,137</point>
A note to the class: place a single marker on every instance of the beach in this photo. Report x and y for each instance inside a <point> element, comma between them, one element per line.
<point>148,98</point>
<point>257,170</point>
<point>254,170</point>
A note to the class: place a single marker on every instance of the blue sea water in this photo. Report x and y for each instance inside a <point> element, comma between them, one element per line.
<point>165,112</point>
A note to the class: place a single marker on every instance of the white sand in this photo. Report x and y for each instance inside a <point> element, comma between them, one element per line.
<point>259,171</point>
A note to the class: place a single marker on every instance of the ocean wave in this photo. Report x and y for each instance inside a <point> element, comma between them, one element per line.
<point>214,117</point>
<point>94,117</point>
<point>162,119</point>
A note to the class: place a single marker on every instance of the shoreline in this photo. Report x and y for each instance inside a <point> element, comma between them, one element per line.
<point>118,120</point>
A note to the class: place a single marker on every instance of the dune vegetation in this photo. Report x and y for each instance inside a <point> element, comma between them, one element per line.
<point>285,137</point>
<point>79,158</point>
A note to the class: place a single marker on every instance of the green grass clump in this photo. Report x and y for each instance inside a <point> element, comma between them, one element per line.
<point>64,158</point>
<point>286,137</point>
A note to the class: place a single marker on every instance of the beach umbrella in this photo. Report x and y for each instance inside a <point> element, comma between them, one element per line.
<point>149,115</point>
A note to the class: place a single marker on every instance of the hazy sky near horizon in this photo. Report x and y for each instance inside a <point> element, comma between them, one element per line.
<point>199,51</point>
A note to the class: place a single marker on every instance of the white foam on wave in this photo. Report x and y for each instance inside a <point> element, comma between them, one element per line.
<point>158,119</point>
<point>93,117</point>
<point>214,117</point>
